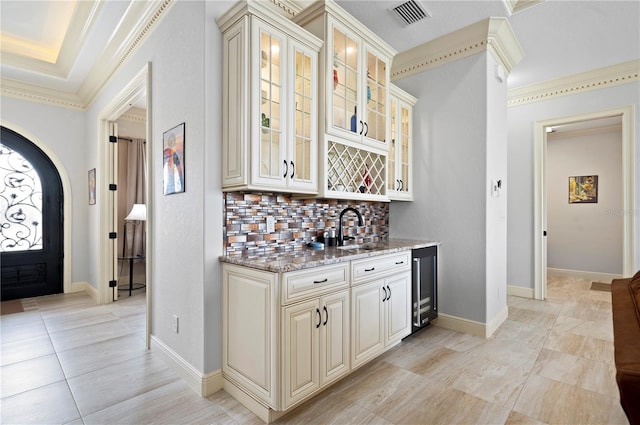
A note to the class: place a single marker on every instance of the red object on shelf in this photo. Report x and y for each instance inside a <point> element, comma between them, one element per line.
<point>335,78</point>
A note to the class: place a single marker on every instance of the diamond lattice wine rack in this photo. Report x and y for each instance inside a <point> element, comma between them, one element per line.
<point>355,173</point>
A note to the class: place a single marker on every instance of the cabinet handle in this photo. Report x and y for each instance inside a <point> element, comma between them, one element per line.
<point>416,285</point>
<point>385,294</point>
<point>362,128</point>
<point>398,186</point>
<point>319,318</point>
<point>370,270</point>
<point>367,131</point>
<point>399,262</point>
<point>321,281</point>
<point>286,169</point>
<point>401,185</point>
<point>326,315</point>
<point>389,289</point>
<point>293,169</point>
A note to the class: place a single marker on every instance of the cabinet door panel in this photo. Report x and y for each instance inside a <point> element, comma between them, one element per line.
<point>334,337</point>
<point>249,330</point>
<point>397,306</point>
<point>303,146</point>
<point>367,320</point>
<point>269,118</point>
<point>300,348</point>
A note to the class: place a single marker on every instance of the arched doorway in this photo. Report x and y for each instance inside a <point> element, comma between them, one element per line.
<point>31,220</point>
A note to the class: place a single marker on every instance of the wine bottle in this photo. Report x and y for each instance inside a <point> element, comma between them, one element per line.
<point>354,119</point>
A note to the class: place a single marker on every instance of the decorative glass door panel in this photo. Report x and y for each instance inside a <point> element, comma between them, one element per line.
<point>21,203</point>
<point>376,98</point>
<point>392,181</point>
<point>344,114</point>
<point>272,162</point>
<point>304,132</point>
<point>404,149</point>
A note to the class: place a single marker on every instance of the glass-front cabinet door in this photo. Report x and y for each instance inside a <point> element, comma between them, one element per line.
<point>345,85</point>
<point>303,163</point>
<point>399,161</point>
<point>271,151</point>
<point>376,98</point>
<point>358,89</point>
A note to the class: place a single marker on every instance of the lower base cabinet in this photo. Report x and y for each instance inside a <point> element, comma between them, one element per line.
<point>380,316</point>
<point>316,345</point>
<point>283,342</point>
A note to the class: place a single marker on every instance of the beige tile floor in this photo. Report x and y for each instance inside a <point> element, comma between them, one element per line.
<point>67,361</point>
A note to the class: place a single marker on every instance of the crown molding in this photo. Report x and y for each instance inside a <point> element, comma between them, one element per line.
<point>138,22</point>
<point>518,5</point>
<point>32,93</point>
<point>610,76</point>
<point>494,35</point>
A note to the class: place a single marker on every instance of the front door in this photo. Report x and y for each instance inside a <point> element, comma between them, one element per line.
<point>31,220</point>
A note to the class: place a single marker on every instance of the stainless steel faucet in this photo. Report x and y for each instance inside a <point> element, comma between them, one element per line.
<point>340,234</point>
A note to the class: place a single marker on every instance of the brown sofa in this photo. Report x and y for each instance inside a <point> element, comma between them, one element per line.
<point>625,298</point>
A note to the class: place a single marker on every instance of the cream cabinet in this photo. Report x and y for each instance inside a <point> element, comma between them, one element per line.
<point>269,95</point>
<point>355,67</point>
<point>400,159</point>
<point>381,305</point>
<point>286,336</point>
<point>316,345</point>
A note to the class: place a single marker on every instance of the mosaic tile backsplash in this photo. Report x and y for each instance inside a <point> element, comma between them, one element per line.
<point>297,221</point>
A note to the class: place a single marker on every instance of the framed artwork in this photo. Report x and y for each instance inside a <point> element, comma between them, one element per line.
<point>173,160</point>
<point>583,189</point>
<point>92,186</point>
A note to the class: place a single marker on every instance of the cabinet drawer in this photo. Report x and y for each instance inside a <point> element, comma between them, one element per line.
<point>311,282</point>
<point>363,270</point>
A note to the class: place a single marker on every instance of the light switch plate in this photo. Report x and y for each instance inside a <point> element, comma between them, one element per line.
<point>271,224</point>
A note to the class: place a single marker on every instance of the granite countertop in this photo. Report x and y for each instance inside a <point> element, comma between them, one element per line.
<point>304,258</point>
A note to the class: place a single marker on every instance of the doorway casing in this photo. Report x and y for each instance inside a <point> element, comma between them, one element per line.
<point>138,88</point>
<point>540,190</point>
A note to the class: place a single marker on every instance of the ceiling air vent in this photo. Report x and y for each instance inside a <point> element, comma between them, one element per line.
<point>410,12</point>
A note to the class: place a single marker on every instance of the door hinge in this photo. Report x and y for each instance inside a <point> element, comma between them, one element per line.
<point>113,283</point>
<point>113,186</point>
<point>113,139</point>
<point>113,235</point>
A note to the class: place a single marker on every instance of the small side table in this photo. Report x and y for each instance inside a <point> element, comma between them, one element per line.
<point>131,284</point>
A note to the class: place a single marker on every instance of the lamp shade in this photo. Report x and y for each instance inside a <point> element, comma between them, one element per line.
<point>138,212</point>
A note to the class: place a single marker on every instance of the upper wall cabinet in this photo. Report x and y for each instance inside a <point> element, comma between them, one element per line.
<point>355,66</point>
<point>269,101</point>
<point>399,160</point>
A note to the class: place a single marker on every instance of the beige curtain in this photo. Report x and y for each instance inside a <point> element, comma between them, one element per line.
<point>135,183</point>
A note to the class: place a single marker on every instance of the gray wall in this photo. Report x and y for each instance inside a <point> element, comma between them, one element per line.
<point>449,171</point>
<point>585,237</point>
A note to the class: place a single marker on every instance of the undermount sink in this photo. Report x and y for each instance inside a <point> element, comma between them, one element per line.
<point>365,246</point>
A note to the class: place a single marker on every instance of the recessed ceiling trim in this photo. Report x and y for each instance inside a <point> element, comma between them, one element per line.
<point>610,76</point>
<point>82,21</point>
<point>518,5</point>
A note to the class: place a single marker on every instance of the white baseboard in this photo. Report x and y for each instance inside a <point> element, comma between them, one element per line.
<point>70,288</point>
<point>592,276</point>
<point>204,385</point>
<point>497,320</point>
<point>520,291</point>
<point>459,324</point>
